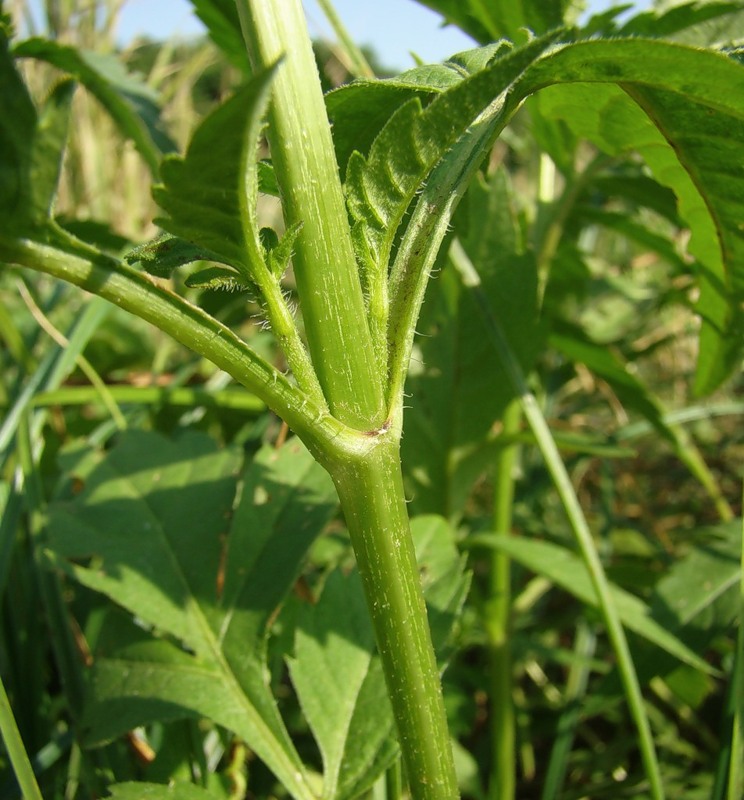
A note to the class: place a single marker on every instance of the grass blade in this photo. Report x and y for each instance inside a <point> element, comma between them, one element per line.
<point>562,481</point>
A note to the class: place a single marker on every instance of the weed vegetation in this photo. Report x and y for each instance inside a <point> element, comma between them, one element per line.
<point>371,435</point>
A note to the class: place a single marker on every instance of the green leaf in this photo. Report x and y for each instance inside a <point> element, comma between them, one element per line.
<point>682,110</point>
<point>131,104</point>
<point>49,148</point>
<point>458,394</point>
<point>31,149</point>
<point>381,186</point>
<point>334,643</point>
<point>210,194</point>
<point>217,278</point>
<point>488,21</point>
<point>700,24</point>
<point>338,676</point>
<point>696,601</point>
<point>444,577</point>
<point>157,791</point>
<point>155,518</point>
<point>280,253</point>
<point>223,25</point>
<point>566,570</point>
<point>692,590</point>
<point>166,253</point>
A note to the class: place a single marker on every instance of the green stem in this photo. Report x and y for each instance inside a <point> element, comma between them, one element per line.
<point>564,487</point>
<point>185,396</point>
<point>190,326</point>
<point>304,161</point>
<point>16,751</point>
<point>732,766</point>
<point>502,782</point>
<point>371,493</point>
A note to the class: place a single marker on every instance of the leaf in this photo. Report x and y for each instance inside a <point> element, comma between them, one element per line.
<point>381,186</point>
<point>458,394</point>
<point>701,24</point>
<point>210,194</point>
<point>223,24</point>
<point>488,21</point>
<point>696,601</point>
<point>333,649</point>
<point>696,583</point>
<point>444,577</point>
<point>166,253</point>
<point>49,148</point>
<point>157,791</point>
<point>280,253</point>
<point>566,570</point>
<point>31,149</point>
<point>338,676</point>
<point>687,121</point>
<point>682,108</point>
<point>217,278</point>
<point>154,531</point>
<point>131,103</point>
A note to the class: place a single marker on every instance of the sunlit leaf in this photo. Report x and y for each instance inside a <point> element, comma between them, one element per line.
<point>567,570</point>
<point>131,103</point>
<point>154,529</point>
<point>338,676</point>
<point>210,194</point>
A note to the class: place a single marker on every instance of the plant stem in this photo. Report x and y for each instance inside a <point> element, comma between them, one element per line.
<point>136,293</point>
<point>305,165</point>
<point>371,493</point>
<point>502,782</point>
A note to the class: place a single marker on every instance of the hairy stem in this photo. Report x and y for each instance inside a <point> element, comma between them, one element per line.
<point>187,324</point>
<point>371,492</point>
<point>325,266</point>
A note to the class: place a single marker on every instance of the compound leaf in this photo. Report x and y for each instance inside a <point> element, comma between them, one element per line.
<point>210,193</point>
<point>156,528</point>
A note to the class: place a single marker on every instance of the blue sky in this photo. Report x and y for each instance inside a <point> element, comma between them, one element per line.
<point>393,27</point>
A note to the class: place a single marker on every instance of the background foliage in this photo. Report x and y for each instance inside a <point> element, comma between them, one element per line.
<point>146,637</point>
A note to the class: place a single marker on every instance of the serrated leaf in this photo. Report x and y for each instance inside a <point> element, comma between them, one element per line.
<point>683,108</point>
<point>155,518</point>
<point>166,253</point>
<point>381,186</point>
<point>49,147</point>
<point>217,278</point>
<point>686,118</point>
<point>333,649</point>
<point>506,19</point>
<point>696,601</point>
<point>280,254</point>
<point>695,584</point>
<point>210,194</point>
<point>338,676</point>
<point>701,24</point>
<point>132,105</point>
<point>566,570</point>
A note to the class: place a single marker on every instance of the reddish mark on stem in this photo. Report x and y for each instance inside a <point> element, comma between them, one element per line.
<point>384,428</point>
